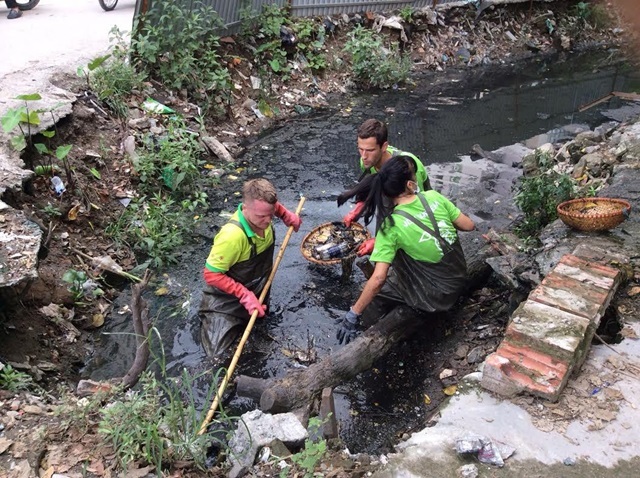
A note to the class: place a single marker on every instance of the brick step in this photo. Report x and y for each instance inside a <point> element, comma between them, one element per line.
<point>549,335</point>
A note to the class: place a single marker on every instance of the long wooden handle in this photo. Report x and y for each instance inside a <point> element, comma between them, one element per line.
<point>247,330</point>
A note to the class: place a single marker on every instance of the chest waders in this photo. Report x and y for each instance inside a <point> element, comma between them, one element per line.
<point>427,286</point>
<point>221,314</point>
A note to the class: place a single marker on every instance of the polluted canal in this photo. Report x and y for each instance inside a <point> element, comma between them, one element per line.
<point>439,119</point>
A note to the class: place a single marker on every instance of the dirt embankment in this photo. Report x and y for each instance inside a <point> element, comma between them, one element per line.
<point>44,332</point>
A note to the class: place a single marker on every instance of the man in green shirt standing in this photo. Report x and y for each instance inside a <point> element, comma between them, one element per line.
<point>375,151</point>
<point>239,265</point>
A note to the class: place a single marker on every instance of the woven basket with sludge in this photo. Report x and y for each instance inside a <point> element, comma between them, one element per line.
<point>594,214</point>
<point>329,232</point>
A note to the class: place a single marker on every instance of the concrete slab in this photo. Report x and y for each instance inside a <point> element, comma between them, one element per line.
<point>609,451</point>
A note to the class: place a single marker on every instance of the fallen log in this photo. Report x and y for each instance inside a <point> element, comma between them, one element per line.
<point>299,387</point>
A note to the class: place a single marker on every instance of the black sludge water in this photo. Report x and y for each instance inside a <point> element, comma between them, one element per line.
<point>438,119</point>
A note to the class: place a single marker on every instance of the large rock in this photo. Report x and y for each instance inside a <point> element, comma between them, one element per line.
<point>257,429</point>
<point>19,245</point>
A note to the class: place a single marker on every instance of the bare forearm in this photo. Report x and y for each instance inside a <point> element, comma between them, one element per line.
<point>372,287</point>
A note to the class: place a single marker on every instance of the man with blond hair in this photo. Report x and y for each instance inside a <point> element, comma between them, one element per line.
<point>239,264</point>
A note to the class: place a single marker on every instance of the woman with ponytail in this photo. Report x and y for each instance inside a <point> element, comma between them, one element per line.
<point>417,254</point>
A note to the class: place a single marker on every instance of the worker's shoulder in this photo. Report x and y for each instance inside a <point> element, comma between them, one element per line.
<point>397,152</point>
<point>232,231</point>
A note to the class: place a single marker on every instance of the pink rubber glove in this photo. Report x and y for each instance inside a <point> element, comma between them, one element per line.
<point>226,284</point>
<point>366,247</point>
<point>289,218</point>
<point>250,302</point>
<point>352,215</point>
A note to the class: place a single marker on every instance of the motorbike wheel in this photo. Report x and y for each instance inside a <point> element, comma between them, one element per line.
<point>27,4</point>
<point>107,5</point>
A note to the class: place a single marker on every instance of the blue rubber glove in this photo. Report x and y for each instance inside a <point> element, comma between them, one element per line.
<point>347,331</point>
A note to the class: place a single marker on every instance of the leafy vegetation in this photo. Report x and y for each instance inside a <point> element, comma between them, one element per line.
<point>595,14</point>
<point>161,219</point>
<point>281,39</point>
<point>14,380</point>
<point>539,195</point>
<point>373,64</point>
<point>112,77</point>
<point>310,456</point>
<point>159,424</point>
<point>22,118</point>
<point>156,226</point>
<point>179,48</point>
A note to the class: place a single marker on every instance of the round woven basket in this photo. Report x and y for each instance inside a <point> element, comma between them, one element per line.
<point>315,237</point>
<point>594,214</point>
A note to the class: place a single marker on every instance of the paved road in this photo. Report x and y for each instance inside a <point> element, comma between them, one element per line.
<point>58,34</point>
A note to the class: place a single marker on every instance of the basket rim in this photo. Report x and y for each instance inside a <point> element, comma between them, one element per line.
<point>583,215</point>
<point>328,261</point>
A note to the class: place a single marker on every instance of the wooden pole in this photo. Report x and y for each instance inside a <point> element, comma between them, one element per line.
<point>247,330</point>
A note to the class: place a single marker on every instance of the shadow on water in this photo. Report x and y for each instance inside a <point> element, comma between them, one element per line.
<point>316,156</point>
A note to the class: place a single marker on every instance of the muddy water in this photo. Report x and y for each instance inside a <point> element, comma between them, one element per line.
<point>438,119</point>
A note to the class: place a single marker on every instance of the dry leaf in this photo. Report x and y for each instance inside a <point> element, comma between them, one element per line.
<point>427,399</point>
<point>97,320</point>
<point>450,390</point>
<point>162,291</point>
<point>634,291</point>
<point>72,215</point>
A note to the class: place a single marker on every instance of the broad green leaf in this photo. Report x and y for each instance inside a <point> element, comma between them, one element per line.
<point>48,134</point>
<point>96,173</point>
<point>178,179</point>
<point>11,119</point>
<point>275,65</point>
<point>33,118</point>
<point>42,148</point>
<point>62,151</point>
<point>96,62</point>
<point>19,143</point>
<point>31,97</point>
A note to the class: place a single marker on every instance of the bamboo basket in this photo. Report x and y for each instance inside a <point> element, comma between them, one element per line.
<point>315,238</point>
<point>594,214</point>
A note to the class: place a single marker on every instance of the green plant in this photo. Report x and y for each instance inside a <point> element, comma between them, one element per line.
<point>179,48</point>
<point>406,13</point>
<point>51,210</point>
<point>13,380</point>
<point>159,423</point>
<point>310,41</point>
<point>314,449</point>
<point>156,227</point>
<point>594,14</point>
<point>76,280</point>
<point>22,118</point>
<point>112,77</point>
<point>172,161</point>
<point>372,63</point>
<point>539,195</point>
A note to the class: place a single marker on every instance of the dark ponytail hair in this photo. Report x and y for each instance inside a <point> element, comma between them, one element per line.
<point>390,182</point>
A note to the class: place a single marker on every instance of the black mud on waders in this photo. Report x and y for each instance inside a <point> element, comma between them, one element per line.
<point>424,286</point>
<point>222,316</point>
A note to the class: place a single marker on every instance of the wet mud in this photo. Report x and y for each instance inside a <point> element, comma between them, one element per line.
<point>439,119</point>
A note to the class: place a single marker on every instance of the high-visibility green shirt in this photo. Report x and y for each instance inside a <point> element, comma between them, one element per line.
<point>421,172</point>
<point>417,243</point>
<point>231,245</point>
